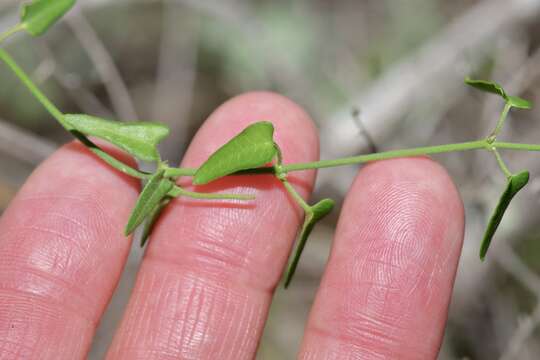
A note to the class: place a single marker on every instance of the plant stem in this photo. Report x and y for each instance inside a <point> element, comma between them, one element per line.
<point>25,79</point>
<point>10,32</point>
<point>427,150</point>
<point>177,172</point>
<point>178,191</point>
<point>501,163</point>
<point>59,116</point>
<point>296,196</point>
<point>500,123</point>
<point>516,146</point>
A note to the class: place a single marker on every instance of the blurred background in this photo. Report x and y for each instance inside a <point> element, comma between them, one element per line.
<point>374,75</point>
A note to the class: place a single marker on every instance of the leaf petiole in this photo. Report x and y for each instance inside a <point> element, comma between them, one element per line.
<point>296,196</point>
<point>15,29</point>
<point>501,163</point>
<point>500,123</point>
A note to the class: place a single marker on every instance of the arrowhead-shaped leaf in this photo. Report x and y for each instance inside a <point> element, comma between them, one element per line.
<point>318,211</point>
<point>494,88</point>
<point>39,15</point>
<point>487,86</point>
<point>140,139</point>
<point>252,148</point>
<point>152,218</point>
<point>153,193</point>
<point>518,102</point>
<point>515,184</point>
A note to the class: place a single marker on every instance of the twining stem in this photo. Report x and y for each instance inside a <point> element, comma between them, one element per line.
<point>59,116</point>
<point>25,79</point>
<point>516,146</point>
<point>13,30</point>
<point>427,150</point>
<point>490,143</point>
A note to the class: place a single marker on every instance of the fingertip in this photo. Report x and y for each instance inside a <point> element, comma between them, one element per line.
<point>430,177</point>
<point>388,282</point>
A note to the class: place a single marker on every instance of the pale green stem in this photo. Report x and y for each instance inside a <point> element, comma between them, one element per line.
<point>427,150</point>
<point>501,163</point>
<point>177,172</point>
<point>500,123</point>
<point>296,196</point>
<point>178,191</point>
<point>25,79</point>
<point>13,30</point>
<point>516,146</point>
<point>59,116</point>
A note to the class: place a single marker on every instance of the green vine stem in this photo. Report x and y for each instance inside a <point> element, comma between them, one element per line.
<point>59,116</point>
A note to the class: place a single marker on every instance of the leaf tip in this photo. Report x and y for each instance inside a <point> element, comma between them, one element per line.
<point>128,230</point>
<point>482,254</point>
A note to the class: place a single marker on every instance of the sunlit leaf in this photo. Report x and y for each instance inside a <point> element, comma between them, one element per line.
<point>140,139</point>
<point>152,195</point>
<point>39,15</point>
<point>487,86</point>
<point>518,102</point>
<point>515,184</point>
<point>318,212</point>
<point>252,148</point>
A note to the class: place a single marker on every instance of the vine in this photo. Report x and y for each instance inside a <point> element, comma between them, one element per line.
<point>253,151</point>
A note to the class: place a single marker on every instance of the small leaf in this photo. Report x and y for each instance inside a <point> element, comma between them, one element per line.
<point>153,193</point>
<point>318,211</point>
<point>140,139</point>
<point>518,102</point>
<point>39,15</point>
<point>252,148</point>
<point>152,218</point>
<point>487,86</point>
<point>515,184</point>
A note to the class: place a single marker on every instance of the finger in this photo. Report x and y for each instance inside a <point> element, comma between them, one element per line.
<point>208,275</point>
<point>387,285</point>
<point>61,254</point>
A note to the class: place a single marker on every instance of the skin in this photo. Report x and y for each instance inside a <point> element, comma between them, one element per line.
<point>208,276</point>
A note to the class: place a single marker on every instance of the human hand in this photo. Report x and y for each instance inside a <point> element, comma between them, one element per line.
<point>208,275</point>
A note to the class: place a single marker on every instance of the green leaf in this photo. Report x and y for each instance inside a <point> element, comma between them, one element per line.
<point>39,15</point>
<point>153,193</point>
<point>515,184</point>
<point>252,148</point>
<point>152,218</point>
<point>316,213</point>
<point>494,88</point>
<point>518,102</point>
<point>140,139</point>
<point>487,86</point>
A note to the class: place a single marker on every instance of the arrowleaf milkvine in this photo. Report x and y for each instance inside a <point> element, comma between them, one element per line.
<point>253,151</point>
